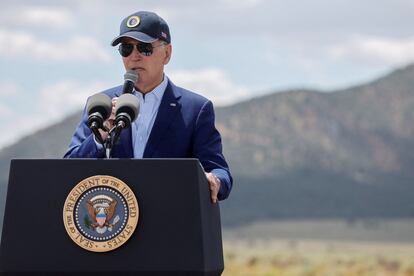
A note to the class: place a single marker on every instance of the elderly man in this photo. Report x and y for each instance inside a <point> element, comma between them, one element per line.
<point>173,122</point>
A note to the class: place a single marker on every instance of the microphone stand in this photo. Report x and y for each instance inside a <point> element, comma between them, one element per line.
<point>109,141</point>
<point>95,130</point>
<point>122,121</point>
<point>107,144</point>
<point>108,147</point>
<point>112,138</point>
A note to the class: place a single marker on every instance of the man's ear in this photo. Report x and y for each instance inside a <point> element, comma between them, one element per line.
<point>168,52</point>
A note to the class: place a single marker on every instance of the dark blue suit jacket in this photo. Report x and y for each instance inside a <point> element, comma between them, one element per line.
<point>184,128</point>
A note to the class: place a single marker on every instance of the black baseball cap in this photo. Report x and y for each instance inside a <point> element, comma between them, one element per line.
<point>143,26</point>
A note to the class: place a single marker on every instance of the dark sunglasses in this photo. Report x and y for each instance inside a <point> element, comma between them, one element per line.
<point>125,49</point>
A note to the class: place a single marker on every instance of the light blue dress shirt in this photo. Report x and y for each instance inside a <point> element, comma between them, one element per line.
<point>148,109</point>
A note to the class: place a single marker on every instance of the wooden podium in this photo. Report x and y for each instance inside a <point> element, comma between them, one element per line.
<point>178,231</point>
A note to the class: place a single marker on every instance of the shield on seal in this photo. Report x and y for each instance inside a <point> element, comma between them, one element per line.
<point>101,209</point>
<point>100,219</point>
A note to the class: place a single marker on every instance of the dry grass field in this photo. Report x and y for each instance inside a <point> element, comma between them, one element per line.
<point>267,256</point>
<point>317,258</point>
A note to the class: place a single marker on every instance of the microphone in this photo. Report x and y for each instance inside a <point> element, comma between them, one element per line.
<point>126,111</point>
<point>130,78</point>
<point>98,107</point>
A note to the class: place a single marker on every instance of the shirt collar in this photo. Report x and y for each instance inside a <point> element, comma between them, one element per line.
<point>158,91</point>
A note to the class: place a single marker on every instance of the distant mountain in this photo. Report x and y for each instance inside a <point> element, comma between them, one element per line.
<point>301,153</point>
<point>362,131</point>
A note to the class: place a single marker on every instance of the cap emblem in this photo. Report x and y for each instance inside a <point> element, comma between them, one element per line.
<point>133,21</point>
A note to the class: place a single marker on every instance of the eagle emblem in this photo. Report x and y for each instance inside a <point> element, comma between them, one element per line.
<point>101,209</point>
<point>97,216</point>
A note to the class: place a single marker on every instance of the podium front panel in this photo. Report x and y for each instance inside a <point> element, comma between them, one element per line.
<point>178,229</point>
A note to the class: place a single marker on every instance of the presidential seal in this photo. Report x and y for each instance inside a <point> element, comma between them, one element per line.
<point>133,21</point>
<point>100,213</point>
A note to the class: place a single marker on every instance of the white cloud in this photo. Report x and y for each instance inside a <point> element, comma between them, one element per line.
<point>53,103</point>
<point>55,18</point>
<point>8,92</point>
<point>62,98</point>
<point>20,127</point>
<point>78,48</point>
<point>5,110</point>
<point>213,83</point>
<point>8,88</point>
<point>45,17</point>
<point>375,50</point>
<point>237,4</point>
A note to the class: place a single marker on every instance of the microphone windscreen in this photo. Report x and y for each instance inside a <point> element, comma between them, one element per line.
<point>100,103</point>
<point>127,103</point>
<point>131,75</point>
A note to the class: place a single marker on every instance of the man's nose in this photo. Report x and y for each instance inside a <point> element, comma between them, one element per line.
<point>135,52</point>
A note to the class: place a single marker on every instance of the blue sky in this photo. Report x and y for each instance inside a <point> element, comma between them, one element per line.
<point>54,54</point>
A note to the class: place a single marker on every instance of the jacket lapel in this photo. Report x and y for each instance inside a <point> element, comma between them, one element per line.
<point>169,107</point>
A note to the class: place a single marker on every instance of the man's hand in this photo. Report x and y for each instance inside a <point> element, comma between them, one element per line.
<point>109,123</point>
<point>214,185</point>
